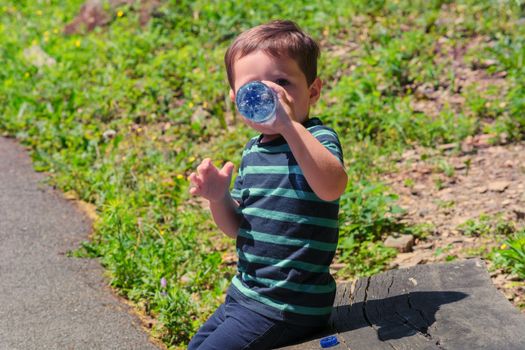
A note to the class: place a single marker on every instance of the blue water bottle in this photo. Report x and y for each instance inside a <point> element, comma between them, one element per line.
<point>256,101</point>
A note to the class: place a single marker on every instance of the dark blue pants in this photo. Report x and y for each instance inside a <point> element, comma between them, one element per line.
<point>234,327</point>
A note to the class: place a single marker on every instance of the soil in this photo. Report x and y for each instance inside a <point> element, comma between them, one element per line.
<point>446,187</point>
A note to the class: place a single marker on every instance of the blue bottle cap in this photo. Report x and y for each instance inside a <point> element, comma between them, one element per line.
<point>329,341</point>
<point>256,101</point>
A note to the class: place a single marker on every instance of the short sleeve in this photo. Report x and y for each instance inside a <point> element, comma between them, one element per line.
<point>328,138</point>
<point>237,185</point>
<point>236,191</point>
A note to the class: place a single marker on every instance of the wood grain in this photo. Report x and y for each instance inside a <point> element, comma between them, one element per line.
<point>437,306</point>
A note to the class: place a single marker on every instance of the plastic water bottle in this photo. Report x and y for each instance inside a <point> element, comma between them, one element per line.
<point>256,101</point>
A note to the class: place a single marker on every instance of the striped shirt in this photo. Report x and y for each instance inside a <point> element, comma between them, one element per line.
<point>287,237</point>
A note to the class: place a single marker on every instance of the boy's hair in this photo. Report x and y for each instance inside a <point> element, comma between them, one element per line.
<point>276,38</point>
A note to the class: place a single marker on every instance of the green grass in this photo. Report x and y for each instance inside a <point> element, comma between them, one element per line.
<point>485,225</point>
<point>511,254</point>
<point>162,89</point>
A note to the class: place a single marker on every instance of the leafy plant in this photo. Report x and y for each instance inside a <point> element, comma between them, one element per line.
<point>487,225</point>
<point>512,253</point>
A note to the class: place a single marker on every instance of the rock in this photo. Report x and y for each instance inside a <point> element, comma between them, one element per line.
<point>417,189</point>
<point>498,186</point>
<point>447,146</point>
<point>409,154</point>
<point>98,13</point>
<point>423,212</point>
<point>109,134</point>
<point>483,141</point>
<point>459,220</point>
<point>403,243</point>
<point>514,278</point>
<point>38,57</point>
<point>426,246</point>
<point>467,147</point>
<point>481,189</point>
<point>519,212</point>
<point>499,280</point>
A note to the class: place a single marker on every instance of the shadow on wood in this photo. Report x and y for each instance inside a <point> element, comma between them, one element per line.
<point>439,306</point>
<point>395,317</point>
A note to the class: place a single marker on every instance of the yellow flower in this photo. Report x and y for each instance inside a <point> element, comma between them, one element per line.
<point>46,33</point>
<point>39,13</point>
<point>55,30</point>
<point>180,177</point>
<point>26,74</point>
<point>34,42</point>
<point>77,43</point>
<point>191,159</point>
<point>120,14</point>
<point>503,246</point>
<point>190,104</point>
<point>46,39</point>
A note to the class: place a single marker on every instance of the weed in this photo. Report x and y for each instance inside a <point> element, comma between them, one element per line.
<point>487,225</point>
<point>408,182</point>
<point>511,254</point>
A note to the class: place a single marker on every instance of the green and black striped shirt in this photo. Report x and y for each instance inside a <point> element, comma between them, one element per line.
<point>287,236</point>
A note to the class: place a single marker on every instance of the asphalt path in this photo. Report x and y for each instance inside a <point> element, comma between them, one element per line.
<point>49,300</point>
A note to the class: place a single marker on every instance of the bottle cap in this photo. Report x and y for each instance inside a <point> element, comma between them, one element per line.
<point>329,341</point>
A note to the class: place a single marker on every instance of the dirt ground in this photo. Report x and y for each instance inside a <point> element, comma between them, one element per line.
<point>452,189</point>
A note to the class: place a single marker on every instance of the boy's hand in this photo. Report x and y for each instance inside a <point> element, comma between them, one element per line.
<point>210,182</point>
<point>284,114</point>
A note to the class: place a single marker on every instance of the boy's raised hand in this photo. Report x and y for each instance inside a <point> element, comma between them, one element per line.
<point>210,182</point>
<point>284,113</point>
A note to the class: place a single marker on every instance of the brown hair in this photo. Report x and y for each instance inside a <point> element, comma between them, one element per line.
<point>276,38</point>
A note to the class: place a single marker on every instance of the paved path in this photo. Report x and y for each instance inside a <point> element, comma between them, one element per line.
<point>47,300</point>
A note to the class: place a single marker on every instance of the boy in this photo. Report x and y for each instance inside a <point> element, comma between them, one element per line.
<point>284,205</point>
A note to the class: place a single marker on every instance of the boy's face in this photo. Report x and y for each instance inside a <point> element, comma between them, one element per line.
<point>283,71</point>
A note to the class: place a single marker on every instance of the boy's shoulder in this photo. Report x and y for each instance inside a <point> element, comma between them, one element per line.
<point>251,142</point>
<point>316,126</point>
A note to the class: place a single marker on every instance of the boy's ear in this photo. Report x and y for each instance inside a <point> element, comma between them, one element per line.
<point>232,95</point>
<point>315,91</point>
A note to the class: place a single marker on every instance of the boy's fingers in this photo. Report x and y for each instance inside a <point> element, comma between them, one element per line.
<point>278,89</point>
<point>273,85</point>
<point>227,169</point>
<point>194,190</point>
<point>205,166</point>
<point>192,178</point>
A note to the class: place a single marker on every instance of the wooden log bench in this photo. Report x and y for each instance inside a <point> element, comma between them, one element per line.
<point>437,306</point>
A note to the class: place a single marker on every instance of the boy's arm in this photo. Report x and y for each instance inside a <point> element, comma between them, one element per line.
<point>213,184</point>
<point>323,171</point>
<point>225,215</point>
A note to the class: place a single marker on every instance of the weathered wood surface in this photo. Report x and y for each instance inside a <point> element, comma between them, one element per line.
<point>437,306</point>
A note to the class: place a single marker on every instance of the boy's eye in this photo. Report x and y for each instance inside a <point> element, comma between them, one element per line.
<point>282,82</point>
